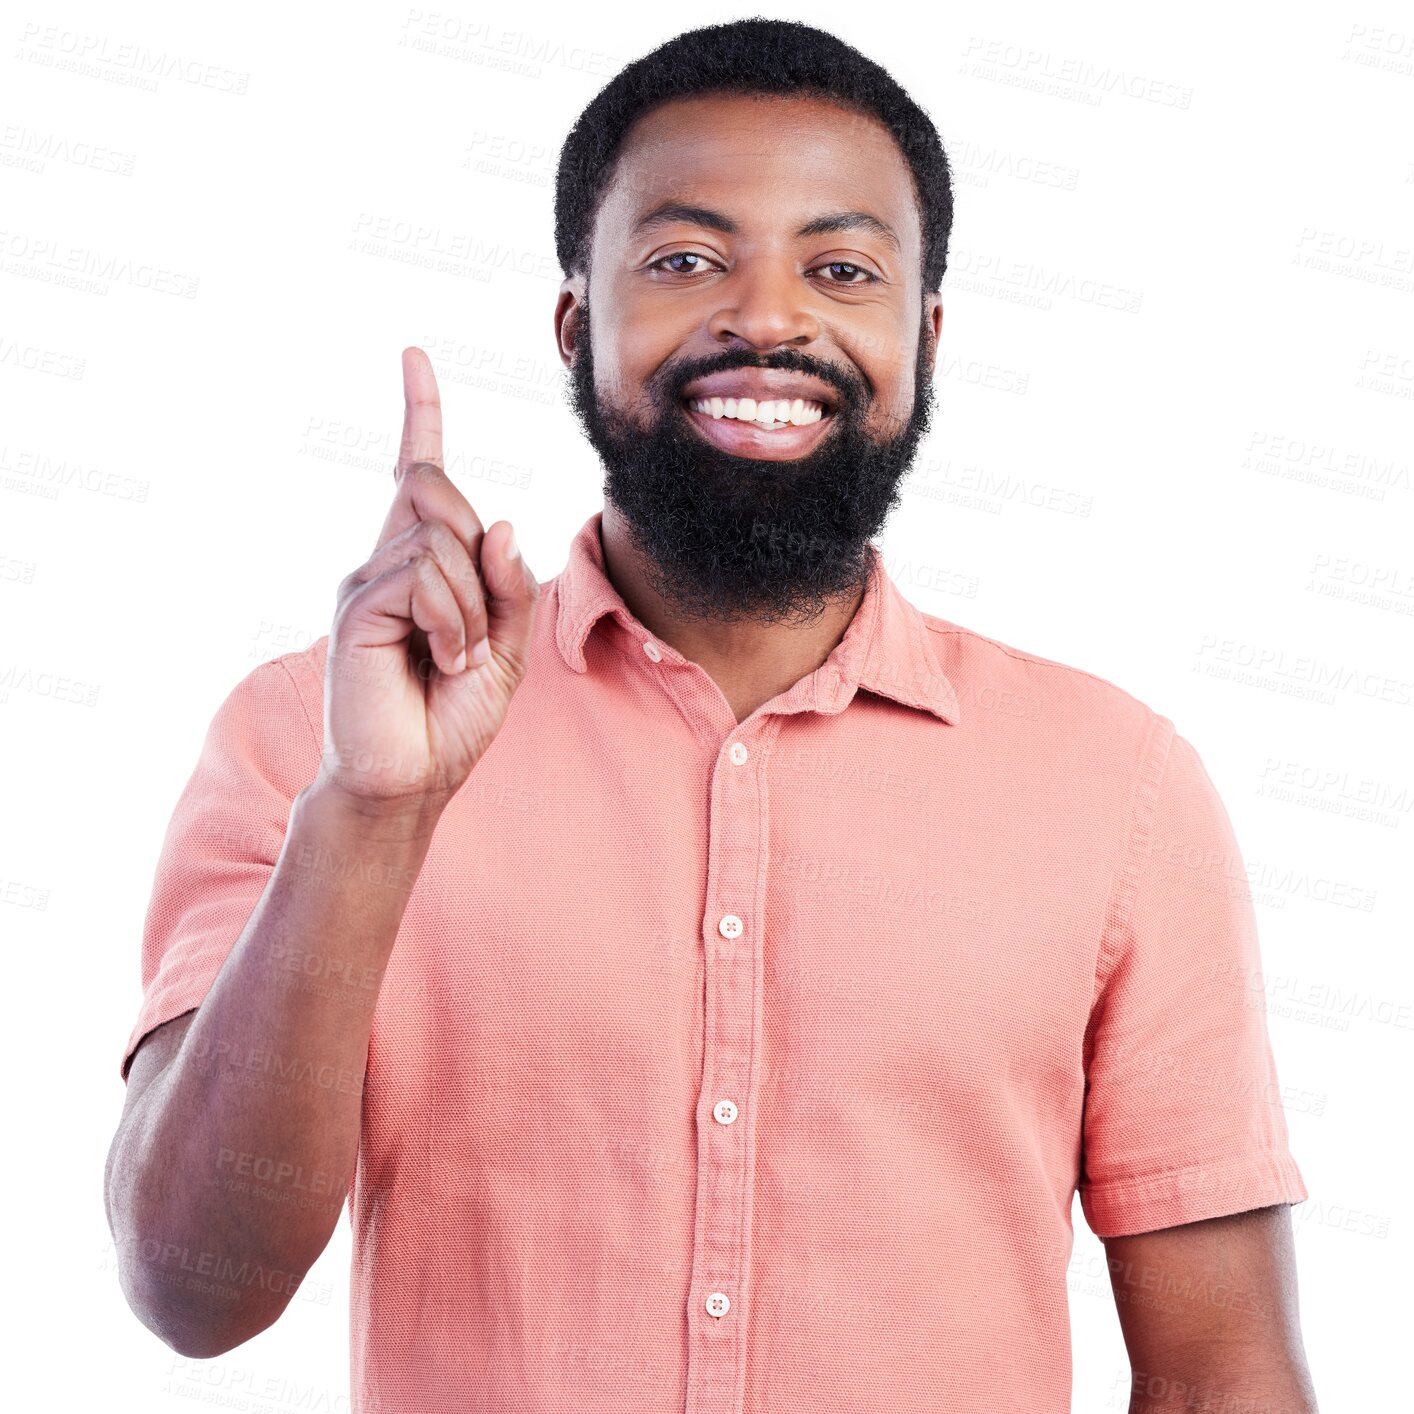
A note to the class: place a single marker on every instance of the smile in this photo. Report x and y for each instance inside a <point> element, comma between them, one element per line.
<point>788,429</point>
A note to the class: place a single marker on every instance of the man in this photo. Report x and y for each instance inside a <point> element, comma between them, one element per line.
<point>708,978</point>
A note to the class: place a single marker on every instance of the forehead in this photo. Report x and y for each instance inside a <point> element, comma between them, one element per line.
<point>763,161</point>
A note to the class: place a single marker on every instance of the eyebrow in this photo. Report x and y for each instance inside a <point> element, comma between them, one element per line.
<point>667,212</point>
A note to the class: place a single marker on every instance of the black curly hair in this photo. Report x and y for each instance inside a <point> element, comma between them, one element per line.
<point>754,56</point>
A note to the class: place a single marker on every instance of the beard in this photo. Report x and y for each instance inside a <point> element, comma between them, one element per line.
<point>726,538</point>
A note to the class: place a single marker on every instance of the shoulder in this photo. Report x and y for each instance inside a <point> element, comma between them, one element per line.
<point>305,668</point>
<point>1001,680</point>
<point>279,700</point>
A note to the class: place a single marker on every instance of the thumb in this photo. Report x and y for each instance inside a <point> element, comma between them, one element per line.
<point>511,592</point>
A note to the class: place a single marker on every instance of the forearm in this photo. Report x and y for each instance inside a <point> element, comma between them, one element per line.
<point>230,1173</point>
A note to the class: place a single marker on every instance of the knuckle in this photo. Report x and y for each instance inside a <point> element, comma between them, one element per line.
<point>421,471</point>
<point>430,574</point>
<point>456,562</point>
<point>409,538</point>
<point>439,537</point>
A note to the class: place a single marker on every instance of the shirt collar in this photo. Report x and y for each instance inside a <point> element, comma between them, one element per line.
<point>887,647</point>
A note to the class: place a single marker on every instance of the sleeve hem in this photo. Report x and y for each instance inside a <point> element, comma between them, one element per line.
<point>225,835</point>
<point>182,991</point>
<point>1127,1206</point>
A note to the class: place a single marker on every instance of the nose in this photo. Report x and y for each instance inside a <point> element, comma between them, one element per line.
<point>764,304</point>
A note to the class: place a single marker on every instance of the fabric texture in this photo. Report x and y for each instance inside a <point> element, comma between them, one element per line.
<point>755,1067</point>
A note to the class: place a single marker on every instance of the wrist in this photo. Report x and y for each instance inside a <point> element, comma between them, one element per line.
<point>392,819</point>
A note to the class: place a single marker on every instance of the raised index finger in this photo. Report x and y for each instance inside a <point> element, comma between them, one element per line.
<point>422,413</point>
<point>425,492</point>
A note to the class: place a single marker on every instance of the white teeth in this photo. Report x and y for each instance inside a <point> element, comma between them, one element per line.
<point>768,413</point>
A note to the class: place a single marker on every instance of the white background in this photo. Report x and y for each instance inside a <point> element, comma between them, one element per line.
<point>1204,497</point>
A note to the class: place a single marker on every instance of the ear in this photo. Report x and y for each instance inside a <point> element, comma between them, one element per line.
<point>572,294</point>
<point>933,315</point>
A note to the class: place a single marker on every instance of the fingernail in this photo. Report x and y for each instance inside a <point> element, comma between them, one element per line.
<point>460,663</point>
<point>481,652</point>
<point>511,549</point>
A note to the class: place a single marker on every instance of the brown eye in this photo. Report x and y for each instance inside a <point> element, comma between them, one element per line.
<point>677,255</point>
<point>869,276</point>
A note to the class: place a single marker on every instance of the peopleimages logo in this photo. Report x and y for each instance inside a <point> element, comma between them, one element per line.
<point>1069,77</point>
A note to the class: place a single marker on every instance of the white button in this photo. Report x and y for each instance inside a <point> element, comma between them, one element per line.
<point>737,754</point>
<point>652,650</point>
<point>718,1303</point>
<point>730,926</point>
<point>724,1111</point>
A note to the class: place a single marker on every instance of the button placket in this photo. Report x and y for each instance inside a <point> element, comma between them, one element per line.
<point>731,1041</point>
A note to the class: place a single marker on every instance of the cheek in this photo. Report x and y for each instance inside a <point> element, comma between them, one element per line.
<point>614,380</point>
<point>628,350</point>
<point>620,386</point>
<point>893,394</point>
<point>636,318</point>
<point>887,355</point>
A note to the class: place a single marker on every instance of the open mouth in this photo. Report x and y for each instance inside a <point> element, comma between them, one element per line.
<point>774,429</point>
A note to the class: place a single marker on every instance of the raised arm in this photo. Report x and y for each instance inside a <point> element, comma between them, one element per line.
<point>240,1132</point>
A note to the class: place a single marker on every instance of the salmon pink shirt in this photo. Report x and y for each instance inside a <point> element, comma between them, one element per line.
<point>752,1068</point>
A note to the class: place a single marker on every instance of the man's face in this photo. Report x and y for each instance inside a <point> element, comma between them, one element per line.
<point>735,520</point>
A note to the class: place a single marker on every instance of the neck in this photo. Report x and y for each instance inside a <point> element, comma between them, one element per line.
<point>750,662</point>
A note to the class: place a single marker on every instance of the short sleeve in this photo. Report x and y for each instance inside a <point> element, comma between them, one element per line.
<point>1183,1117</point>
<point>222,843</point>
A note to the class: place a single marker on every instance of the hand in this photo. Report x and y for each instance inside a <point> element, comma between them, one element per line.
<point>408,708</point>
